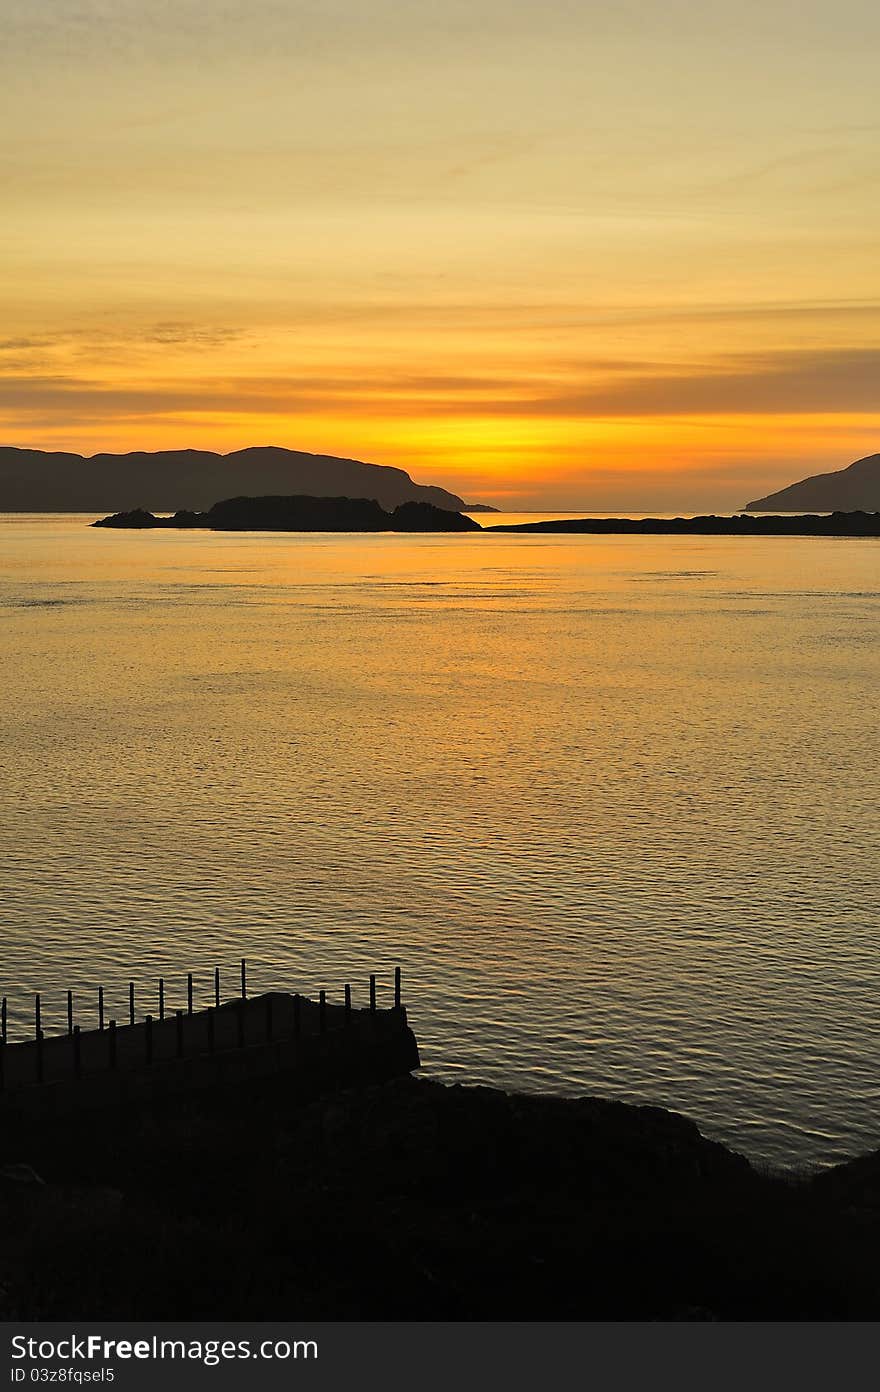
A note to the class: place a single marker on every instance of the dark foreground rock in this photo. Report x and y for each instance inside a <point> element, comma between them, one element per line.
<point>412,1200</point>
<point>302,514</point>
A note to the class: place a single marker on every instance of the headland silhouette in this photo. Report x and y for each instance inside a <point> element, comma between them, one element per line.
<point>34,480</point>
<point>853,489</point>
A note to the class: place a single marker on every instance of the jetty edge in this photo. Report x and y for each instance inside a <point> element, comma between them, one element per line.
<point>307,1047</point>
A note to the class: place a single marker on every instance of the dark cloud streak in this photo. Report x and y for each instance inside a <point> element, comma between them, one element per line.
<point>804,382</point>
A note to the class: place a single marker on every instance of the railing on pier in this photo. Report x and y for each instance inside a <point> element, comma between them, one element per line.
<point>236,1024</point>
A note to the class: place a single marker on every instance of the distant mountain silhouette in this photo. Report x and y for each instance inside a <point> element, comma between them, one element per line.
<point>854,489</point>
<point>37,481</point>
<point>302,514</point>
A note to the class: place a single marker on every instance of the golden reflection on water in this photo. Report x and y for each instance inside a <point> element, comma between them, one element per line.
<point>610,801</point>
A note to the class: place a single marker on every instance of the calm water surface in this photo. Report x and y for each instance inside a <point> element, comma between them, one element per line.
<point>612,802</point>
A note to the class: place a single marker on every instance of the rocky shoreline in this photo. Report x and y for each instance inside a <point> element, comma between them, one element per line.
<point>411,1199</point>
<point>838,524</point>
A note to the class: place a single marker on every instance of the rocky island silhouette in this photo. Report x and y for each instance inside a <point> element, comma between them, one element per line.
<point>303,514</point>
<point>310,514</point>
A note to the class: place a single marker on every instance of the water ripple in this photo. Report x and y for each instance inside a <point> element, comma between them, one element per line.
<point>611,803</point>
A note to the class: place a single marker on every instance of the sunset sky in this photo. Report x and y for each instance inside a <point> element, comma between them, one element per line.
<point>559,254</point>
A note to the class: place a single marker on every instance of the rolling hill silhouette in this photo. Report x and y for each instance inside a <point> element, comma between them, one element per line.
<point>40,481</point>
<point>854,489</point>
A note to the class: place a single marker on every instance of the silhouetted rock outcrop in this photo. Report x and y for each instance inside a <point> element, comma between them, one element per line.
<point>139,517</point>
<point>854,489</point>
<point>299,514</point>
<point>422,517</point>
<point>40,481</point>
<point>302,514</point>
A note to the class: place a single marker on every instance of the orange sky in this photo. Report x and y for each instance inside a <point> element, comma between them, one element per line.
<point>589,256</point>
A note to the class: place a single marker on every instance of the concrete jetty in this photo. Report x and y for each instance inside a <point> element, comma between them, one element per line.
<point>312,1046</point>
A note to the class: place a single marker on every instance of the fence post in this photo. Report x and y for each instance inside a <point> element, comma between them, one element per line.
<point>322,1011</point>
<point>70,1012</point>
<point>239,1011</point>
<point>372,994</point>
<point>3,1019</point>
<point>189,993</point>
<point>111,1043</point>
<point>180,1034</point>
<point>131,1002</point>
<point>37,1023</point>
<point>77,1053</point>
<point>39,1056</point>
<point>161,998</point>
<point>217,988</point>
<point>243,979</point>
<point>347,1004</point>
<point>2,1066</point>
<point>100,1007</point>
<point>148,1039</point>
<point>211,1024</point>
<point>397,988</point>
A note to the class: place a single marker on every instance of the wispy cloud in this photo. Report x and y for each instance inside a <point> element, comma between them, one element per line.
<point>790,383</point>
<point>785,383</point>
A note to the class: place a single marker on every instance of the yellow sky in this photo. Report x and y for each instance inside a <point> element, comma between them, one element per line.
<point>570,254</point>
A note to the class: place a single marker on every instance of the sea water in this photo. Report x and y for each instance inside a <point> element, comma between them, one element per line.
<point>610,802</point>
